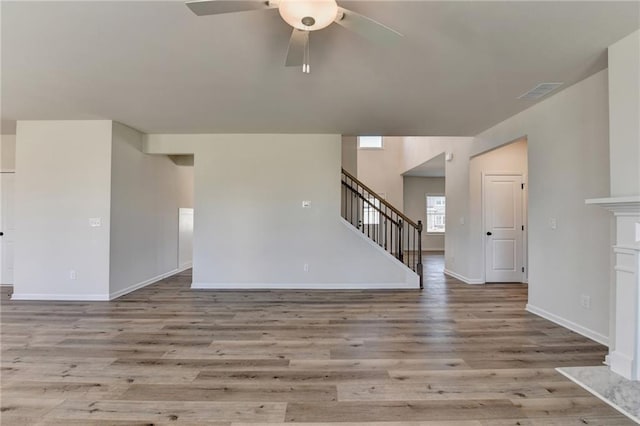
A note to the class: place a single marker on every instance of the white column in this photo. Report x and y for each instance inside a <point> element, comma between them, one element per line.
<point>624,354</point>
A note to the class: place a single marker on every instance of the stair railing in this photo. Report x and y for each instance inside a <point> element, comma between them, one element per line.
<point>382,222</point>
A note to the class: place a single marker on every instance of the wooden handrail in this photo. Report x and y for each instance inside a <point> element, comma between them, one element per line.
<point>388,227</point>
<point>378,209</point>
<point>382,201</point>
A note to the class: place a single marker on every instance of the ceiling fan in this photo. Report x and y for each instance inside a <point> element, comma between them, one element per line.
<point>304,16</point>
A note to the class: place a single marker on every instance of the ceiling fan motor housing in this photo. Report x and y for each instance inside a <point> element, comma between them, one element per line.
<point>308,15</point>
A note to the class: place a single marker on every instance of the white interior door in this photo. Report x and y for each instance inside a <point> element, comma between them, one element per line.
<point>185,238</point>
<point>7,221</point>
<point>503,228</point>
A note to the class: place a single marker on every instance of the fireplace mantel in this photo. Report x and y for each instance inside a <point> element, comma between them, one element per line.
<point>624,353</point>
<point>617,204</point>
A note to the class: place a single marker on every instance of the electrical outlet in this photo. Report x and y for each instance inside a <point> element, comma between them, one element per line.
<point>306,204</point>
<point>306,267</point>
<point>553,223</point>
<point>585,301</point>
<point>73,275</point>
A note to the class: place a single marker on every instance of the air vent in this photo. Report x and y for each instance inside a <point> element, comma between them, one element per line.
<point>540,90</point>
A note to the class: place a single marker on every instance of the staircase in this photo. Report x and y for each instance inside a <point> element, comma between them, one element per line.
<point>382,223</point>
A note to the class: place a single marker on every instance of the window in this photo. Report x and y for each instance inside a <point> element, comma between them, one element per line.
<point>435,213</point>
<point>371,215</point>
<point>370,142</point>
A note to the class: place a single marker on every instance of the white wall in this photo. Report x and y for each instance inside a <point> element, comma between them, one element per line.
<point>250,229</point>
<point>511,158</point>
<point>416,190</point>
<point>146,193</point>
<point>7,153</point>
<point>65,169</point>
<point>379,169</point>
<point>350,154</point>
<point>568,162</point>
<point>624,116</point>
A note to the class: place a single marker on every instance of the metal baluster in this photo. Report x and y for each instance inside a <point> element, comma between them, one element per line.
<point>400,226</point>
<point>419,266</point>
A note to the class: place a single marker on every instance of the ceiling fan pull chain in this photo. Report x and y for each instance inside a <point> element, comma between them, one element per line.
<point>305,65</point>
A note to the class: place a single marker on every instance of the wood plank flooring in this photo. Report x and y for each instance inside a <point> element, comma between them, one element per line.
<point>453,354</point>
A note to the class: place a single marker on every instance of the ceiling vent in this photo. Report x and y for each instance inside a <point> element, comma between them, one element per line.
<point>540,90</point>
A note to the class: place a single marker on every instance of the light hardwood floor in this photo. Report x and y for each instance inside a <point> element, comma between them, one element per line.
<point>452,355</point>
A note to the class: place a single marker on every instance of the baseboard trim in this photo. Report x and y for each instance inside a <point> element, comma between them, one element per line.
<point>303,286</point>
<point>621,364</point>
<point>61,297</point>
<point>463,278</point>
<point>586,332</point>
<point>184,267</point>
<point>145,283</point>
<point>6,285</point>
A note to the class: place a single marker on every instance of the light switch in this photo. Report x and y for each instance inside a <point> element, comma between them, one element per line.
<point>95,222</point>
<point>553,223</point>
<point>306,204</point>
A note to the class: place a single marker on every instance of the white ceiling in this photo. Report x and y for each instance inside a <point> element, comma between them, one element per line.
<point>433,168</point>
<point>155,66</point>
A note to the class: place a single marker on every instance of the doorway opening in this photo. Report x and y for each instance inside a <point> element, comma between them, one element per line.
<point>185,165</point>
<point>424,199</point>
<point>504,201</point>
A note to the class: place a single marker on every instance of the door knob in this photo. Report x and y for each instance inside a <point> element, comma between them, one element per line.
<point>1,233</point>
<point>489,233</point>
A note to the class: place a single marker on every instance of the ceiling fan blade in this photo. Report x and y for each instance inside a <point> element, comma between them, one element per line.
<point>216,7</point>
<point>366,27</point>
<point>297,46</point>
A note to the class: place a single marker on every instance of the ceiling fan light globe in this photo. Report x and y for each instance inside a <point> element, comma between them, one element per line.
<point>323,12</point>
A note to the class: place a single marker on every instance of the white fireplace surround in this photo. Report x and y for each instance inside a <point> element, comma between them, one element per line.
<point>624,352</point>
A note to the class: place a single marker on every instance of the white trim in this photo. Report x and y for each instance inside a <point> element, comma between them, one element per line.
<point>96,297</point>
<point>628,250</point>
<point>184,267</point>
<point>303,286</point>
<point>624,269</point>
<point>6,285</point>
<point>463,278</point>
<point>61,297</point>
<point>596,394</point>
<point>144,283</point>
<point>593,335</point>
<point>621,364</point>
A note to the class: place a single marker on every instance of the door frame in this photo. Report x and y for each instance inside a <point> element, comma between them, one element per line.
<point>524,279</point>
<point>3,218</point>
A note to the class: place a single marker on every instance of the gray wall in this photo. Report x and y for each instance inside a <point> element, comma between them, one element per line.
<point>415,207</point>
<point>350,154</point>
<point>379,169</point>
<point>624,115</point>
<point>568,162</point>
<point>7,153</point>
<point>250,228</point>
<point>65,170</point>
